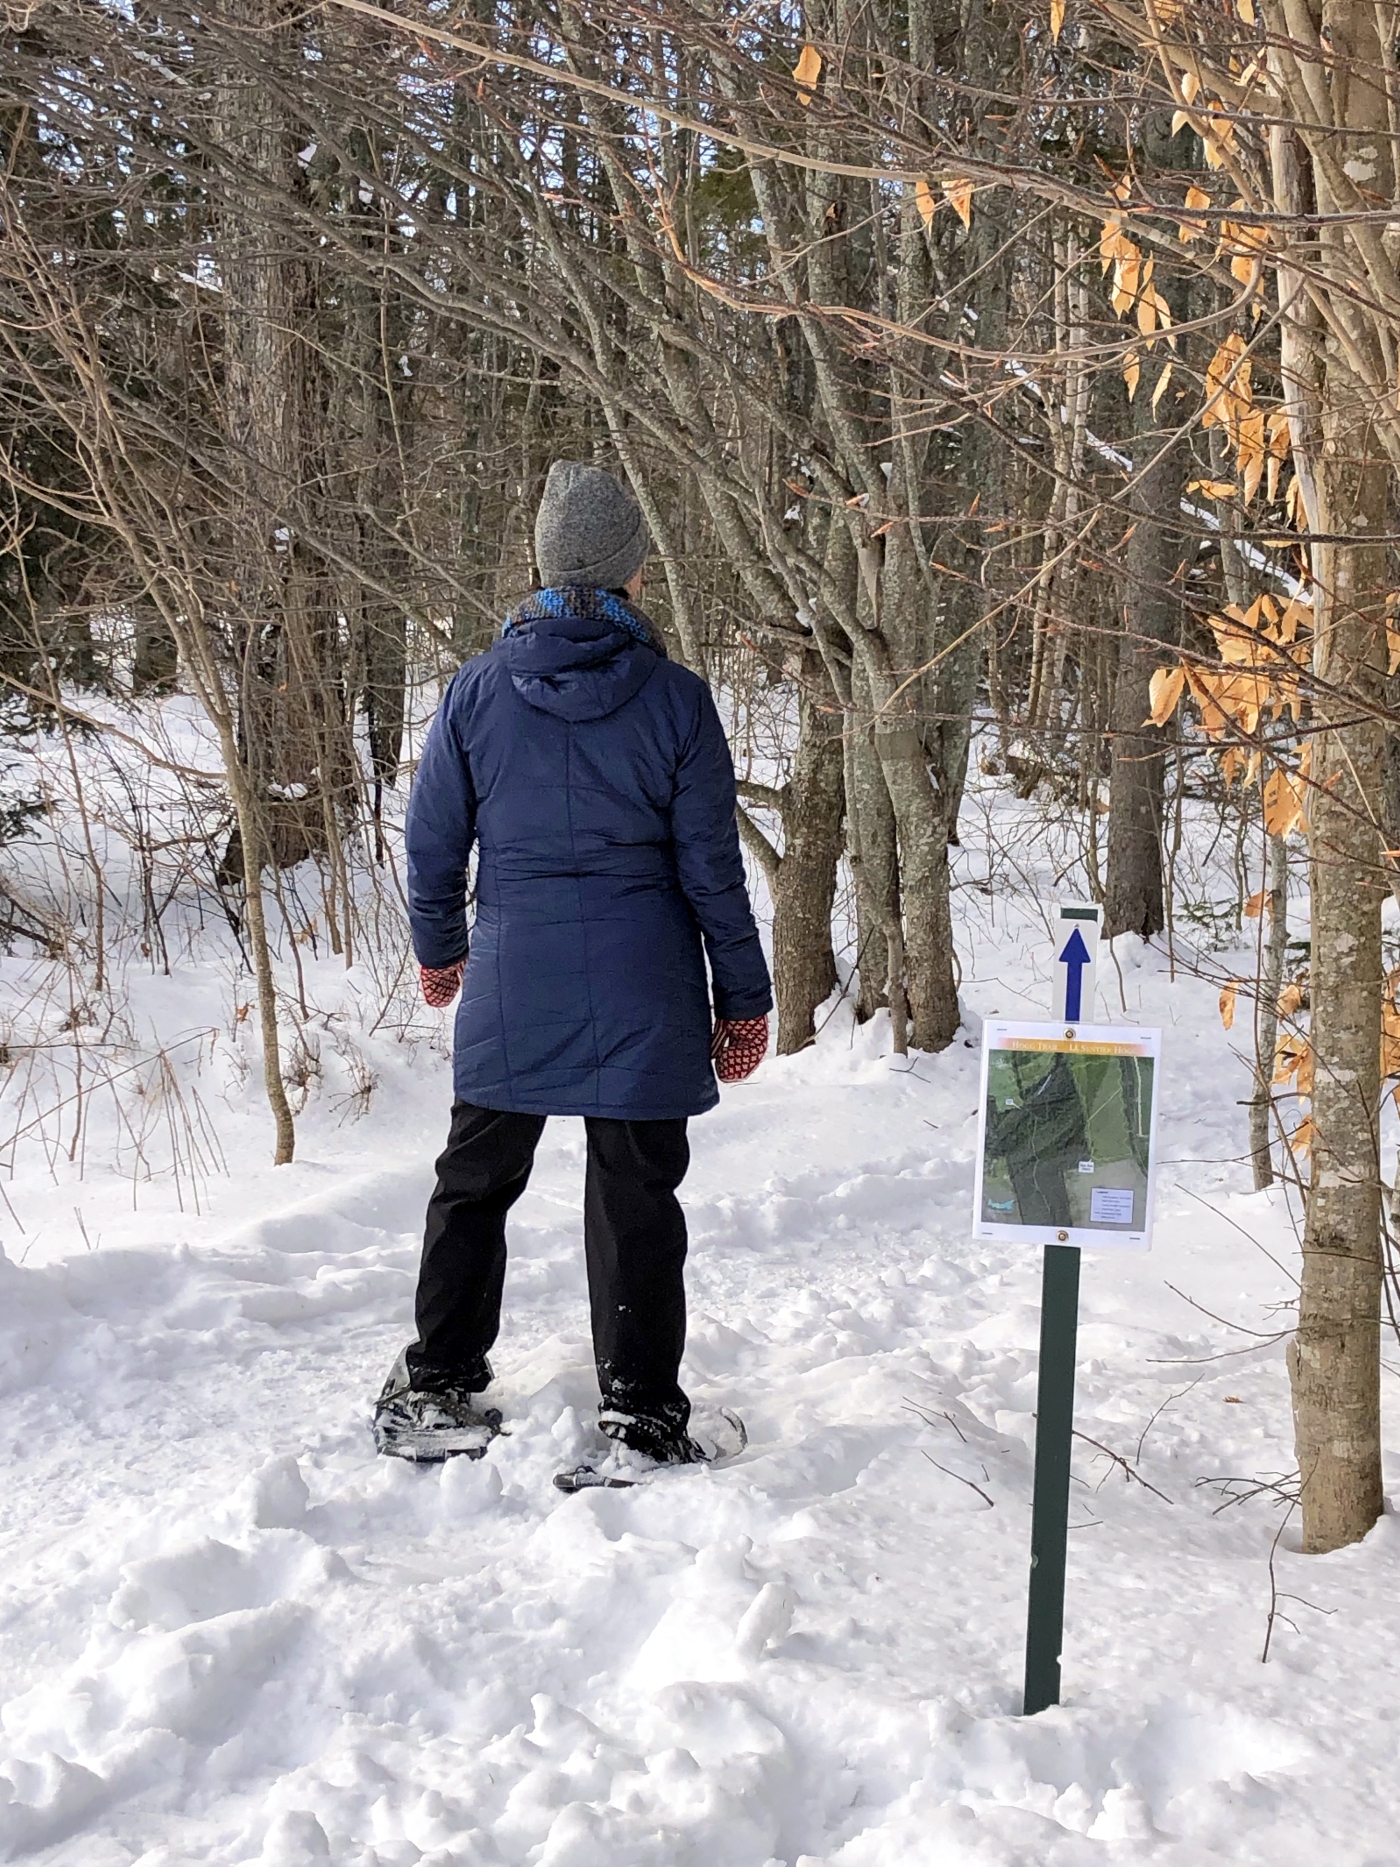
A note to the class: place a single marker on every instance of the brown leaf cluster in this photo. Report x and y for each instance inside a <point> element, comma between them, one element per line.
<point>1132,293</point>
<point>1230,405</point>
<point>1293,1063</point>
<point>1262,650</point>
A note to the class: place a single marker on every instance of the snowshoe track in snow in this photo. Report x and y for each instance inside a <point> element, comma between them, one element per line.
<point>232,1634</point>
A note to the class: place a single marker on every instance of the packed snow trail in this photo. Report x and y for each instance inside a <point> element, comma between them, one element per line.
<point>230,1634</point>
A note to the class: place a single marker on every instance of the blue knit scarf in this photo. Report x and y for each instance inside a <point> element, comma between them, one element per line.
<point>593,605</point>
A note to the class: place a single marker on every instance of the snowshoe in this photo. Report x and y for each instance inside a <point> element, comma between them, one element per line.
<point>428,1425</point>
<point>644,1448</point>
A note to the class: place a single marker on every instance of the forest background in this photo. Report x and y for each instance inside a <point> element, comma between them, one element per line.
<point>996,381</point>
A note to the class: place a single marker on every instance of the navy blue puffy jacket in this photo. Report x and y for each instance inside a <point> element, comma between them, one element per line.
<point>594,778</point>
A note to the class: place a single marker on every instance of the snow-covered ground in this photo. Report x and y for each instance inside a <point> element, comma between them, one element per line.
<point>230,1634</point>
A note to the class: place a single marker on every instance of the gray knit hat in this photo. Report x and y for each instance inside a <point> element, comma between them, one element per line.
<point>588,530</point>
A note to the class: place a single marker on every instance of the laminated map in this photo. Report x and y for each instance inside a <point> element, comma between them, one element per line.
<point>1065,1134</point>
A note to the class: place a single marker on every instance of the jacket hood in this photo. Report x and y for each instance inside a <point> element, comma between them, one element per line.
<point>576,667</point>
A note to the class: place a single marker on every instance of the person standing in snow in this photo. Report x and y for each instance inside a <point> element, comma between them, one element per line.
<point>592,776</point>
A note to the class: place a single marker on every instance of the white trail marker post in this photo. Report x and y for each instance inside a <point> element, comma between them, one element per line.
<point>1076,951</point>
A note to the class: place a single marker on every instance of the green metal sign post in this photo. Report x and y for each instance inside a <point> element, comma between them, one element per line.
<point>1054,1432</point>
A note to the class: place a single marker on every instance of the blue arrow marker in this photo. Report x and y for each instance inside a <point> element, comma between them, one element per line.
<point>1076,958</point>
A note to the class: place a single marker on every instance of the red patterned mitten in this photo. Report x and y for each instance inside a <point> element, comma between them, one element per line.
<point>738,1047</point>
<point>441,984</point>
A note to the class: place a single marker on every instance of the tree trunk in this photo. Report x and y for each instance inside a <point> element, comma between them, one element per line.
<point>155,662</point>
<point>1133,901</point>
<point>1334,1360</point>
<point>804,966</point>
<point>1133,888</point>
<point>1261,1107</point>
<point>873,854</point>
<point>923,871</point>
<point>281,609</point>
<point>1334,87</point>
<point>251,840</point>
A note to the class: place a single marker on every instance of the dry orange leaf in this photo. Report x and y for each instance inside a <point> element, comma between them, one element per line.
<point>1114,243</point>
<point>1290,999</point>
<point>1129,277</point>
<point>1203,691</point>
<point>1164,691</point>
<point>1297,615</point>
<point>1244,696</point>
<point>1153,312</point>
<point>1227,383</point>
<point>1213,489</point>
<point>1246,245</point>
<point>1250,443</point>
<point>1390,1042</point>
<point>1283,804</point>
<point>1236,643</point>
<point>1195,197</point>
<point>806,72</point>
<point>1057,19</point>
<point>1280,441</point>
<point>923,196</point>
<point>1245,267</point>
<point>1303,1137</point>
<point>1217,139</point>
<point>1254,907</point>
<point>1162,382</point>
<point>958,195</point>
<point>1227,1003</point>
<point>1297,784</point>
<point>1293,1059</point>
<point>1132,369</point>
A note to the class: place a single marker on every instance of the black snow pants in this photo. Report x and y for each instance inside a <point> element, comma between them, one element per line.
<point>634,1245</point>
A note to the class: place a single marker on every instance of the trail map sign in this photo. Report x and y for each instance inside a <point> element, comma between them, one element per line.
<point>1065,1142</point>
<point>1064,1160</point>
